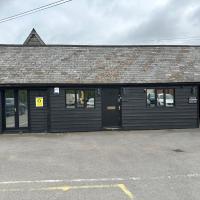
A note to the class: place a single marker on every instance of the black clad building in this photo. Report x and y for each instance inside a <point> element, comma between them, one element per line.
<point>58,88</point>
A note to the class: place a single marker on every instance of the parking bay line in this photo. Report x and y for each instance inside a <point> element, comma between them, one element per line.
<point>66,188</point>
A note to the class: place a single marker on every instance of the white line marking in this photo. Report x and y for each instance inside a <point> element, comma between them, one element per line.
<point>70,180</point>
<point>193,175</point>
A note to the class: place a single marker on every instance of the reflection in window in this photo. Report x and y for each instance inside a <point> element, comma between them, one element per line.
<point>89,98</point>
<point>80,98</point>
<point>151,98</point>
<point>160,97</point>
<point>10,108</point>
<point>23,108</point>
<point>169,95</point>
<point>70,98</point>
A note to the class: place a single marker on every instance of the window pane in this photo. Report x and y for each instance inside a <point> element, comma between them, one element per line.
<point>90,98</point>
<point>10,108</point>
<point>151,98</point>
<point>160,98</point>
<point>80,96</point>
<point>70,98</point>
<point>169,97</point>
<point>23,108</point>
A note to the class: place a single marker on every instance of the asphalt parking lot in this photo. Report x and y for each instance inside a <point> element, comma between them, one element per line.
<point>114,165</point>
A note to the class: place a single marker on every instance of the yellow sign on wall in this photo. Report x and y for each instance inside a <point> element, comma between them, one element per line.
<point>39,102</point>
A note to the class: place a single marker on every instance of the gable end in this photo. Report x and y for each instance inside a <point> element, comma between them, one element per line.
<point>33,39</point>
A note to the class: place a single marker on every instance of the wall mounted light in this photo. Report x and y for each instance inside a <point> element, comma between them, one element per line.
<point>98,91</point>
<point>123,91</point>
<point>194,91</point>
<point>56,90</point>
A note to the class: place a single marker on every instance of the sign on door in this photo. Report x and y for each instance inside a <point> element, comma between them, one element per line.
<point>39,102</point>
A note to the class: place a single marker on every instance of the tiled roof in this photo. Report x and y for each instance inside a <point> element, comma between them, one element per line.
<point>99,64</point>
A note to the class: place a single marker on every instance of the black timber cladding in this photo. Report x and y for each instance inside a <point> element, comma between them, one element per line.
<point>135,114</point>
<point>38,116</point>
<point>79,119</point>
<point>1,112</point>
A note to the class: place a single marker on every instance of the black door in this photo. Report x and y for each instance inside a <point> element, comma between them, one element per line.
<point>15,109</point>
<point>111,115</point>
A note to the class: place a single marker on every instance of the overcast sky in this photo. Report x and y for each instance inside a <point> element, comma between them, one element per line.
<point>104,22</point>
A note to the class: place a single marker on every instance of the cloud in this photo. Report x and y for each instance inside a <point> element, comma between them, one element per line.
<point>2,2</point>
<point>104,22</point>
<point>195,15</point>
<point>165,24</point>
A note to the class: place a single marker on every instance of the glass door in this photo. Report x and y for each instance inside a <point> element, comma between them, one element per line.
<point>22,108</point>
<point>10,109</point>
<point>16,109</point>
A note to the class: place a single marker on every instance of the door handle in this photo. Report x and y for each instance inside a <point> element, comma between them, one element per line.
<point>15,110</point>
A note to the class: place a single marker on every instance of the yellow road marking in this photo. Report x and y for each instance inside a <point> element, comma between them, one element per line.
<point>120,186</point>
<point>125,190</point>
<point>63,188</point>
<point>11,190</point>
<point>66,188</point>
<point>93,186</point>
